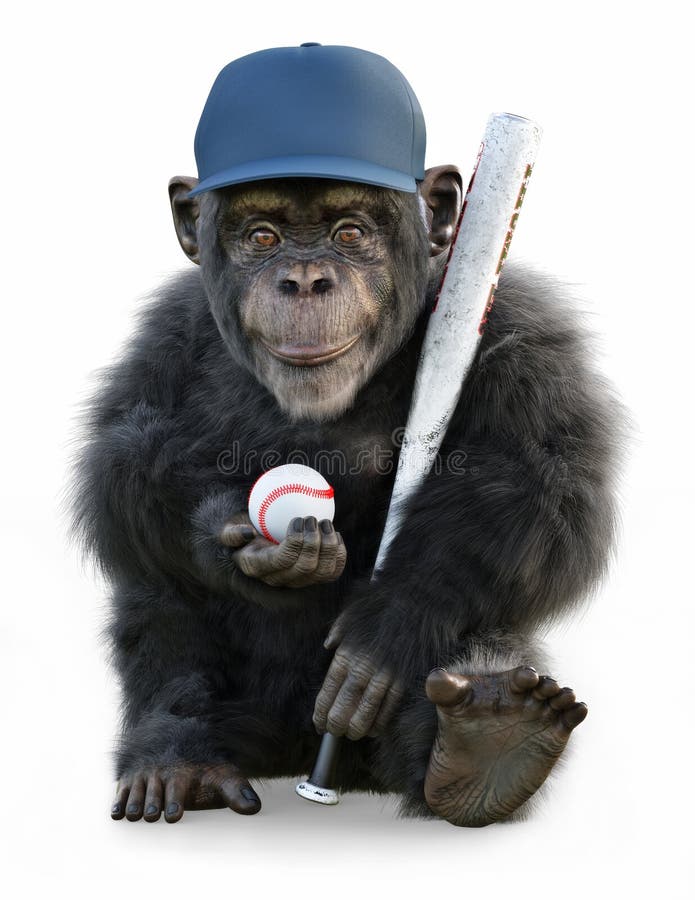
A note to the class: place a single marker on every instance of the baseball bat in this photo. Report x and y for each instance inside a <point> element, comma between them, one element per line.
<point>480,246</point>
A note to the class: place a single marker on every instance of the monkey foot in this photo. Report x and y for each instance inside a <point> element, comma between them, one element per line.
<point>498,738</point>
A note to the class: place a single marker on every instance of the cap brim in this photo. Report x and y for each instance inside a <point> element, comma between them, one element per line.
<point>338,167</point>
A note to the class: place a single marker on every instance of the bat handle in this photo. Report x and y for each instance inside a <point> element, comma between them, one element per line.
<point>318,787</point>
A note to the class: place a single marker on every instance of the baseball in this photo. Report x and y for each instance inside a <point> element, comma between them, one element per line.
<point>285,492</point>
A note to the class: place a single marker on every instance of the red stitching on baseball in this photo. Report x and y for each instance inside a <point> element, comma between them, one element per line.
<point>320,493</point>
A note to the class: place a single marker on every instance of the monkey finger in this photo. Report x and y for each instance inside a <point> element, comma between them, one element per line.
<point>332,683</point>
<point>345,706</point>
<point>340,558</point>
<point>136,799</point>
<point>174,797</point>
<point>289,578</point>
<point>309,568</point>
<point>261,557</point>
<point>364,717</point>
<point>153,798</point>
<point>325,567</point>
<point>308,558</point>
<point>389,705</point>
<point>285,554</point>
<point>318,577</point>
<point>237,534</point>
<point>335,635</point>
<point>281,578</point>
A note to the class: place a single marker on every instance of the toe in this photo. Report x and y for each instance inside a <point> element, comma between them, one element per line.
<point>120,801</point>
<point>133,810</point>
<point>153,798</point>
<point>546,687</point>
<point>574,715</point>
<point>174,796</point>
<point>447,688</point>
<point>523,679</point>
<point>563,700</point>
<point>238,794</point>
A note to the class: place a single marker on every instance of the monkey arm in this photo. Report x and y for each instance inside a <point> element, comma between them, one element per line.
<point>511,541</point>
<point>170,755</point>
<point>513,528</point>
<point>170,670</point>
<point>136,510</point>
<point>129,496</point>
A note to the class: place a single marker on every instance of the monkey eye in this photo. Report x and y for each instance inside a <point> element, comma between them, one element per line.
<point>348,234</point>
<point>264,238</point>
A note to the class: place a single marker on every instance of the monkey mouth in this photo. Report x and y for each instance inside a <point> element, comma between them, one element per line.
<point>309,354</point>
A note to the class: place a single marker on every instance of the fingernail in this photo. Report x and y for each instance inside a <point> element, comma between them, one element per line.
<point>133,808</point>
<point>151,809</point>
<point>298,524</point>
<point>249,794</point>
<point>172,808</point>
<point>116,808</point>
<point>310,523</point>
<point>326,526</point>
<point>437,669</point>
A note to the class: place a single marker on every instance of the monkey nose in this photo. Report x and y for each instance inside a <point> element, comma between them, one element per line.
<point>306,288</point>
<point>306,280</point>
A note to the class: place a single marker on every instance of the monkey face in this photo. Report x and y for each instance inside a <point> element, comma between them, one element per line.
<point>315,283</point>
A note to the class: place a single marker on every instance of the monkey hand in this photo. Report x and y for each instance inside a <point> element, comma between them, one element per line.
<point>145,793</point>
<point>358,697</point>
<point>311,553</point>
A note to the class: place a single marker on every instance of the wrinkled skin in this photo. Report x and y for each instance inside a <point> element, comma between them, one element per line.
<point>311,553</point>
<point>304,275</point>
<point>499,737</point>
<point>150,792</point>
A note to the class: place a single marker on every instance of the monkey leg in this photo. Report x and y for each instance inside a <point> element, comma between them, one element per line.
<point>498,738</point>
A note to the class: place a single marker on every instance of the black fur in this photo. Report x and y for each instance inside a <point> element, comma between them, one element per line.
<point>509,532</point>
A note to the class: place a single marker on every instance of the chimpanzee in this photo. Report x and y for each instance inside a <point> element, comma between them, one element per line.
<point>319,242</point>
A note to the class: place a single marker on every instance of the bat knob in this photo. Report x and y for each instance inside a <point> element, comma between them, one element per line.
<point>317,786</point>
<point>312,792</point>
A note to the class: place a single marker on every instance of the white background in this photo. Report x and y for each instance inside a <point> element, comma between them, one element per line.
<point>100,105</point>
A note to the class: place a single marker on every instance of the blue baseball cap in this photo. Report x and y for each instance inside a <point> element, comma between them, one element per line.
<point>311,112</point>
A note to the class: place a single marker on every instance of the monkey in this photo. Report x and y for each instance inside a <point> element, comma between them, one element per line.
<point>298,331</point>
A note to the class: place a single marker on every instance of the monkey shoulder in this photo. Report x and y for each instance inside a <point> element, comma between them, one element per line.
<point>535,375</point>
<point>173,367</point>
<point>535,322</point>
<point>174,392</point>
<point>156,359</point>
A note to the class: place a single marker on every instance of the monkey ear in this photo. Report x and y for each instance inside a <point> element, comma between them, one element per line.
<point>185,212</point>
<point>442,191</point>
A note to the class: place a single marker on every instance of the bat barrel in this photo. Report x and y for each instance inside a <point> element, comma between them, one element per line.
<point>485,229</point>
